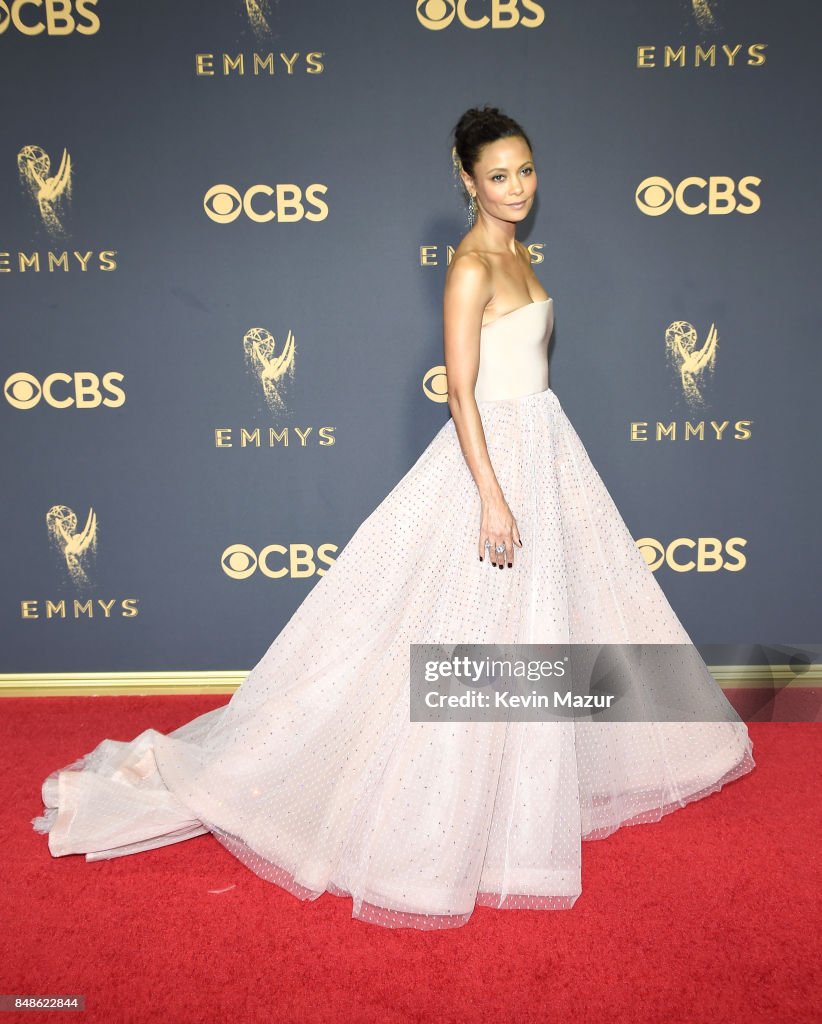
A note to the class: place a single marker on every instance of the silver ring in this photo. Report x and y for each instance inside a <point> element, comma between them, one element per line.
<point>500,548</point>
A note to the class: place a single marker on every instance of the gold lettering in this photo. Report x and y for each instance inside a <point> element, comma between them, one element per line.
<point>676,55</point>
<point>204,63</point>
<point>59,18</point>
<point>116,393</point>
<point>732,548</point>
<point>93,21</point>
<point>301,561</point>
<point>19,24</point>
<point>56,260</point>
<point>702,55</point>
<point>262,63</point>
<point>29,609</point>
<point>266,63</point>
<point>645,56</point>
<point>315,65</point>
<point>289,63</point>
<point>467,20</point>
<point>638,430</point>
<point>322,554</point>
<point>230,65</point>
<point>320,204</point>
<point>252,436</point>
<point>536,10</point>
<point>755,51</point>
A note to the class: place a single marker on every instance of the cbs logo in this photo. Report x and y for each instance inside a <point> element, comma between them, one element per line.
<point>276,560</point>
<point>62,17</point>
<point>223,203</point>
<point>62,390</point>
<point>705,554</point>
<point>435,384</point>
<point>717,195</point>
<point>438,14</point>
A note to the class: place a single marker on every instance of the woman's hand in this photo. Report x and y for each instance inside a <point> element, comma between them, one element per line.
<point>499,526</point>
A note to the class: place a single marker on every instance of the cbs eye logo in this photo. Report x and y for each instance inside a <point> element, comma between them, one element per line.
<point>435,384</point>
<point>262,203</point>
<point>63,390</point>
<point>297,561</point>
<point>686,554</point>
<point>58,17</point>
<point>718,195</point>
<point>439,14</point>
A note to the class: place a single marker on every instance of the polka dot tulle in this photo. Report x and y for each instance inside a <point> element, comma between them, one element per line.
<point>313,774</point>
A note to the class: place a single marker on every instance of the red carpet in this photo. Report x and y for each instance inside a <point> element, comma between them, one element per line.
<point>710,915</point>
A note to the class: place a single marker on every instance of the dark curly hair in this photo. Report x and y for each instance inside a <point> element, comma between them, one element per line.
<point>476,128</point>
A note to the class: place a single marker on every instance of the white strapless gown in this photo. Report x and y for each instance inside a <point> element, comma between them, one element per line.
<point>313,774</point>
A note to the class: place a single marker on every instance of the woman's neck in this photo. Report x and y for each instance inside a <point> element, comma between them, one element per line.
<point>496,235</point>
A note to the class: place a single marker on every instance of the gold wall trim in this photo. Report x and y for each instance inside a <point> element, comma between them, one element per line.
<point>93,684</point>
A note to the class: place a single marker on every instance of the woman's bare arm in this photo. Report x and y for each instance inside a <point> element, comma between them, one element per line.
<point>468,290</point>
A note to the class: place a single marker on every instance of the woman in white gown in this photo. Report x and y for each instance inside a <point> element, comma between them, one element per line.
<point>314,774</point>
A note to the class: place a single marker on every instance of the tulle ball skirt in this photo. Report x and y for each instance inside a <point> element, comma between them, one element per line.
<point>314,776</point>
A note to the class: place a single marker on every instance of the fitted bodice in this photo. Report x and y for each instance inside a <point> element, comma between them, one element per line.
<point>514,353</point>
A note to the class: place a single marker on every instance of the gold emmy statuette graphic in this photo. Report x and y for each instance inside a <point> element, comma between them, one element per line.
<point>692,362</point>
<point>703,13</point>
<point>257,11</point>
<point>259,346</point>
<point>49,192</point>
<point>73,546</point>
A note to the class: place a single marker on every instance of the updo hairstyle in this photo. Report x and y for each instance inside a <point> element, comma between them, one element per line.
<point>476,128</point>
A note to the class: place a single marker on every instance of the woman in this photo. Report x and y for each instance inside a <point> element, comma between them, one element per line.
<point>314,774</point>
<point>489,277</point>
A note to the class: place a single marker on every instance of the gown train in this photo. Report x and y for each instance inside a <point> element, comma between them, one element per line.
<point>313,774</point>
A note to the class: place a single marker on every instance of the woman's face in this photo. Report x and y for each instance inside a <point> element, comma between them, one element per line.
<point>504,179</point>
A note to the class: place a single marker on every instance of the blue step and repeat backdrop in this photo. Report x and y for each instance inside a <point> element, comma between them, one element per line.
<point>224,228</point>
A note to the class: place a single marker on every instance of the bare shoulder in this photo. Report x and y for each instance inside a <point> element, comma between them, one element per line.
<point>469,274</point>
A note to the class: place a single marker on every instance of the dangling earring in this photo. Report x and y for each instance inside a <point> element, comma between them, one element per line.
<point>472,199</point>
